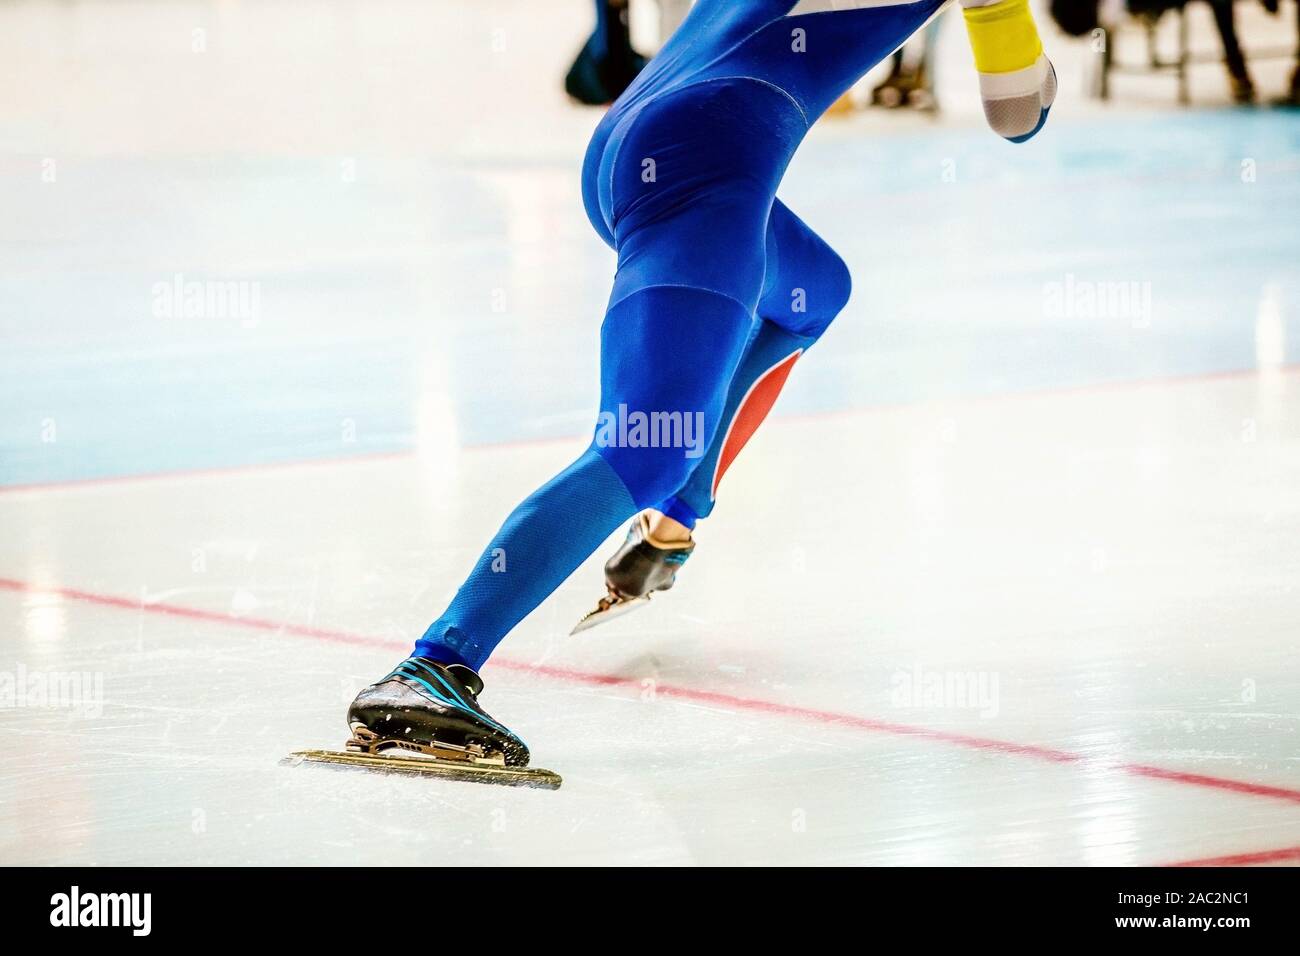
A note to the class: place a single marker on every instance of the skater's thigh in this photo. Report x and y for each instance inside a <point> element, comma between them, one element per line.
<point>668,354</point>
<point>689,181</point>
<point>691,177</point>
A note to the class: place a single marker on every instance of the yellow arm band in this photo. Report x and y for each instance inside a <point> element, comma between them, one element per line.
<point>1003,36</point>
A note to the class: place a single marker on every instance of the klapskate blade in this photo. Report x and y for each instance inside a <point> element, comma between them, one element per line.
<point>429,767</point>
<point>604,615</point>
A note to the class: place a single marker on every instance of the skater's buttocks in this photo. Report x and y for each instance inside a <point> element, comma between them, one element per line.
<point>726,103</point>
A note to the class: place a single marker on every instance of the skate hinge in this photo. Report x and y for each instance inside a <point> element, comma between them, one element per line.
<point>365,740</point>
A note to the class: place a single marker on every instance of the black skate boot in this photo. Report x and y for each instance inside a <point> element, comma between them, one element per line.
<point>638,569</point>
<point>424,707</point>
<point>424,719</point>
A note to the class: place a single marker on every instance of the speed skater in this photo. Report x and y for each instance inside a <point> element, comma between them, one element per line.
<point>720,290</point>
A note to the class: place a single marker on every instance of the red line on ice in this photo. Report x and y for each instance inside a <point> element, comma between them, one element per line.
<point>732,701</point>
<point>1280,855</point>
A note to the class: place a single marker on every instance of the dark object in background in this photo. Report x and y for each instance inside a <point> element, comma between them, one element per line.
<point>911,74</point>
<point>1076,17</point>
<point>606,64</point>
<point>1080,18</point>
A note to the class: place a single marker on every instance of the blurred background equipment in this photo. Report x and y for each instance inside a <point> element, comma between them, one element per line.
<point>606,64</point>
<point>1106,21</point>
<point>910,82</point>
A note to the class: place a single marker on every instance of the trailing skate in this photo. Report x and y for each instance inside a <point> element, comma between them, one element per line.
<point>639,568</point>
<point>425,718</point>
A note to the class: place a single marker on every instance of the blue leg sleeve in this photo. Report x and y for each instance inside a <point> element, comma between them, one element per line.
<point>543,540</point>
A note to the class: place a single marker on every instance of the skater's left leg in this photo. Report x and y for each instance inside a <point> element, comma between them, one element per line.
<point>806,287</point>
<point>663,350</point>
<point>433,695</point>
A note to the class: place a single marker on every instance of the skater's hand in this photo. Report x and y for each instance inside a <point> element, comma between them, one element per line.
<point>1017,81</point>
<point>1016,104</point>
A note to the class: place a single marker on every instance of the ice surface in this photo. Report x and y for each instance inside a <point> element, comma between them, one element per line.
<point>1090,519</point>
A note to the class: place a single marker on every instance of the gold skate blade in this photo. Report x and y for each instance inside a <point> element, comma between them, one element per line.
<point>461,770</point>
<point>607,610</point>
